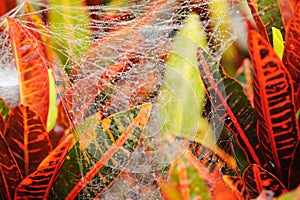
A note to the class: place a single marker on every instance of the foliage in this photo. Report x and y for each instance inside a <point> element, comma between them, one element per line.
<point>76,138</point>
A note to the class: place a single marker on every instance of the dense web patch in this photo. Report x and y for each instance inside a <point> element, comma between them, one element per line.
<point>141,35</point>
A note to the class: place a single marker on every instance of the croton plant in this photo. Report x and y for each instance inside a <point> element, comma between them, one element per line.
<point>57,145</point>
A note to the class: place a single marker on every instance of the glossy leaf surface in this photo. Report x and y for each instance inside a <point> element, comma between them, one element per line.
<point>10,174</point>
<point>38,184</point>
<point>100,155</point>
<point>257,179</point>
<point>32,66</point>
<point>231,105</point>
<point>27,138</point>
<point>277,128</point>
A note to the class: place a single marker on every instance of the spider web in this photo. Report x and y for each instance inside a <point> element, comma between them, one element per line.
<point>150,43</point>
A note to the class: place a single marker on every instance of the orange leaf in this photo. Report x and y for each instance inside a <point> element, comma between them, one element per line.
<point>6,6</point>
<point>277,127</point>
<point>31,61</point>
<point>39,183</point>
<point>10,174</point>
<point>27,138</point>
<point>237,185</point>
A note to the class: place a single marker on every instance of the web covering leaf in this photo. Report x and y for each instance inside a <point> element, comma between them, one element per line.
<point>139,35</point>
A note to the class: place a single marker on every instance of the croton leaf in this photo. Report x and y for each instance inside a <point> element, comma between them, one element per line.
<point>277,127</point>
<point>287,9</point>
<point>10,174</point>
<point>38,184</point>
<point>230,104</point>
<point>77,99</point>
<point>237,185</point>
<point>291,58</point>
<point>210,164</point>
<point>32,66</point>
<point>185,177</point>
<point>258,179</point>
<point>5,6</point>
<point>244,75</point>
<point>259,23</point>
<point>4,109</point>
<point>27,138</point>
<point>100,155</point>
<point>294,174</point>
<point>4,114</point>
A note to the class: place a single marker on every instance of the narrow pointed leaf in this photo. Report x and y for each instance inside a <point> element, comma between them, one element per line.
<point>257,179</point>
<point>238,187</point>
<point>10,174</point>
<point>38,184</point>
<point>231,105</point>
<point>291,58</point>
<point>27,138</point>
<point>287,9</point>
<point>277,128</point>
<point>277,42</point>
<point>244,75</point>
<point>97,159</point>
<point>32,65</point>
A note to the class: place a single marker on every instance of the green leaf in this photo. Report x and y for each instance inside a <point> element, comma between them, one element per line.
<point>182,93</point>
<point>102,152</point>
<point>52,114</point>
<point>277,42</point>
<point>69,23</point>
<point>291,195</point>
<point>4,109</point>
<point>185,176</point>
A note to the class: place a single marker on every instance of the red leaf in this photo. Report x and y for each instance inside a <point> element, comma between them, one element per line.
<point>10,174</point>
<point>277,127</point>
<point>291,57</point>
<point>6,6</point>
<point>31,61</point>
<point>257,179</point>
<point>38,184</point>
<point>27,138</point>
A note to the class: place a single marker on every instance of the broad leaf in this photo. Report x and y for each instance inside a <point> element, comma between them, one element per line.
<point>244,75</point>
<point>291,195</point>
<point>237,185</point>
<point>230,104</point>
<point>257,179</point>
<point>38,184</point>
<point>182,93</point>
<point>69,21</point>
<point>287,9</point>
<point>277,128</point>
<point>27,138</point>
<point>98,158</point>
<point>10,174</point>
<point>32,65</point>
<point>185,177</point>
<point>291,56</point>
